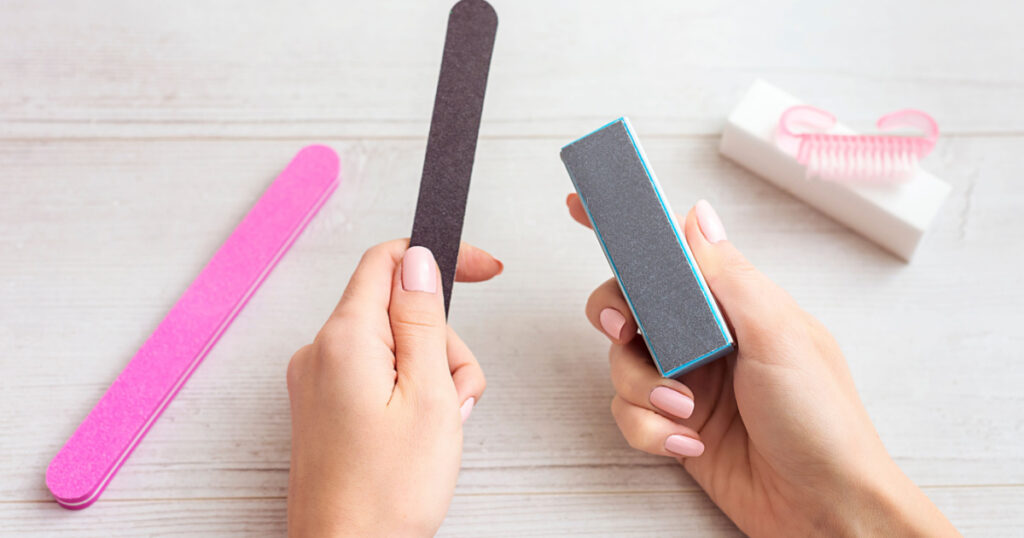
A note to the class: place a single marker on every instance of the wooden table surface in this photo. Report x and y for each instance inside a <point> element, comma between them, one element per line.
<point>135,135</point>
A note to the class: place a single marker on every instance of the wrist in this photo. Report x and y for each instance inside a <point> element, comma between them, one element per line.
<point>882,501</point>
<point>333,515</point>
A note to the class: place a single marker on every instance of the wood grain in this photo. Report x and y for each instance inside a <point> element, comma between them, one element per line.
<point>980,511</point>
<point>229,68</point>
<point>134,136</point>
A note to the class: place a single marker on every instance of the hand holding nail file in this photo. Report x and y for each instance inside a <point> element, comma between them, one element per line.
<point>454,128</point>
<point>100,445</point>
<point>678,317</point>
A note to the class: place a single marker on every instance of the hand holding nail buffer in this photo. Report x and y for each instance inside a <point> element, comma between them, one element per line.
<point>454,127</point>
<point>676,313</point>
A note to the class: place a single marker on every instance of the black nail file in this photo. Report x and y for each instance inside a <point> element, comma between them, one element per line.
<point>645,246</point>
<point>454,128</point>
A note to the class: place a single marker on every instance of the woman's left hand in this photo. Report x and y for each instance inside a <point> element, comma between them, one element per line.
<point>378,400</point>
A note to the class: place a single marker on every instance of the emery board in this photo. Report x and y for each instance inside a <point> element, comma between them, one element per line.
<point>676,313</point>
<point>81,470</point>
<point>454,127</point>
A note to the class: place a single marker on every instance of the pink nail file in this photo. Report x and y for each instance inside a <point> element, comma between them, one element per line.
<point>101,444</point>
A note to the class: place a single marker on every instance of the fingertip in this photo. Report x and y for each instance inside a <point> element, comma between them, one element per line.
<point>709,222</point>
<point>467,408</point>
<point>576,209</point>
<point>419,270</point>
<point>477,265</point>
<point>708,257</point>
<point>683,446</point>
<point>609,313</point>
<point>671,401</point>
<point>692,230</point>
<point>619,328</point>
<point>612,322</point>
<point>467,375</point>
<point>469,381</point>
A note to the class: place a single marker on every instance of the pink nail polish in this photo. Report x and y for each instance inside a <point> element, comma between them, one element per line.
<point>419,271</point>
<point>467,408</point>
<point>684,446</point>
<point>672,402</point>
<point>710,225</point>
<point>612,322</point>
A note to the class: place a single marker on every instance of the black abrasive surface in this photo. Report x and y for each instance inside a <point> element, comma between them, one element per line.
<point>454,127</point>
<point>681,327</point>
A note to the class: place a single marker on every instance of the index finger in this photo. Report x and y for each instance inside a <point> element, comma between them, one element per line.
<point>576,210</point>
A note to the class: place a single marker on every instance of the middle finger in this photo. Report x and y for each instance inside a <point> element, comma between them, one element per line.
<point>638,382</point>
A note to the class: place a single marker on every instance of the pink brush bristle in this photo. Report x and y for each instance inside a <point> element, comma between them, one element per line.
<point>846,157</point>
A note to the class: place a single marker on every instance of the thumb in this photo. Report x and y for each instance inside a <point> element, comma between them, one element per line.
<point>754,304</point>
<point>419,327</point>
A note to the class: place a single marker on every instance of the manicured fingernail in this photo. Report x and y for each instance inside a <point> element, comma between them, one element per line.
<point>710,224</point>
<point>467,408</point>
<point>612,322</point>
<point>419,271</point>
<point>684,446</point>
<point>672,402</point>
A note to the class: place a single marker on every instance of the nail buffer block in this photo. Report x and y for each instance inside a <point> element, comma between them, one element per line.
<point>678,317</point>
<point>454,127</point>
<point>83,468</point>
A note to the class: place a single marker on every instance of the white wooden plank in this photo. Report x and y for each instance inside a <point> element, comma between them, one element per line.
<point>974,511</point>
<point>624,514</point>
<point>161,517</point>
<point>351,69</point>
<point>983,511</point>
<point>99,238</point>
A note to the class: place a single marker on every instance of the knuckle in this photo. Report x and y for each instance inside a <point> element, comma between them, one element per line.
<point>380,250</point>
<point>636,437</point>
<point>820,337</point>
<point>417,319</point>
<point>348,311</point>
<point>635,430</point>
<point>628,370</point>
<point>620,411</point>
<point>621,378</point>
<point>648,440</point>
<point>413,325</point>
<point>732,270</point>
<point>296,367</point>
<point>740,270</point>
<point>602,296</point>
<point>594,296</point>
<point>482,380</point>
<point>775,325</point>
<point>330,336</point>
<point>435,402</point>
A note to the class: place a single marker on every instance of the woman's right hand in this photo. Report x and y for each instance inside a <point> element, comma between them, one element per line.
<point>776,434</point>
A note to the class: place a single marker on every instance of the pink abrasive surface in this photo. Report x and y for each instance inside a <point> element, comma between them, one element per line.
<point>84,466</point>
